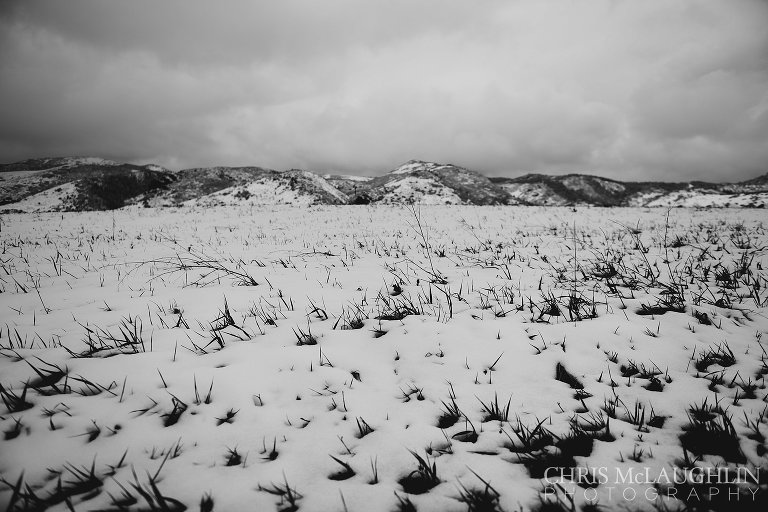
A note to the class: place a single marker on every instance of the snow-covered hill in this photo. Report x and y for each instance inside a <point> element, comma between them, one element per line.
<point>215,186</point>
<point>583,190</point>
<point>263,187</point>
<point>89,183</point>
<point>430,183</point>
<point>76,183</point>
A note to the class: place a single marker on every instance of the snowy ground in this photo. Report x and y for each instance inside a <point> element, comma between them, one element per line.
<point>378,359</point>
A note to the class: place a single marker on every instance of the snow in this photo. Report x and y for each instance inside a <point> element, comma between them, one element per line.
<point>348,177</point>
<point>10,175</point>
<point>419,190</point>
<point>694,198</point>
<point>537,193</point>
<point>63,164</point>
<point>541,194</point>
<point>90,160</point>
<point>177,279</point>
<point>259,192</point>
<point>53,199</point>
<point>581,184</point>
<point>416,165</point>
<point>272,190</point>
<point>700,199</point>
<point>320,183</point>
<point>155,167</point>
<point>613,186</point>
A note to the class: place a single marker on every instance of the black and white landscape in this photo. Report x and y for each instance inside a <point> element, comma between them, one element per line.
<point>77,184</point>
<point>239,271</point>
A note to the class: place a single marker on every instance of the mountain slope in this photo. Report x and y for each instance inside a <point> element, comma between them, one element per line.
<point>76,183</point>
<point>245,185</point>
<point>431,183</point>
<point>60,184</point>
<point>581,189</point>
<point>87,183</point>
<point>191,184</point>
<point>351,186</point>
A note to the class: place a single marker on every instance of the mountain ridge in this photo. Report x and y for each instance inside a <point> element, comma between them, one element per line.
<point>91,183</point>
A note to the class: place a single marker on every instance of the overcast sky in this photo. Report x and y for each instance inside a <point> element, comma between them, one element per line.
<point>627,89</point>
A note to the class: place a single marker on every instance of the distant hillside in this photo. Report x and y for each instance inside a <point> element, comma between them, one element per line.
<point>216,186</point>
<point>66,184</point>
<point>352,186</point>
<point>86,183</point>
<point>430,183</point>
<point>583,189</point>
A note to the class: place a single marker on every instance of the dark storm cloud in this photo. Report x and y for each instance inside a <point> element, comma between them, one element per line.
<point>657,89</point>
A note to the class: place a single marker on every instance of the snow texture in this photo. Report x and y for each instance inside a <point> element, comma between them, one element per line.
<point>227,353</point>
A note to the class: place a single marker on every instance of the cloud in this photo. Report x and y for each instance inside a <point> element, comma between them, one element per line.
<point>631,90</point>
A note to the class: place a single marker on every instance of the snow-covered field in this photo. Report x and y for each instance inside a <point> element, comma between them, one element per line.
<point>381,359</point>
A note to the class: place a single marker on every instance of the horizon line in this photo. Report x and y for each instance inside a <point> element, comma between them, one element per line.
<point>380,173</point>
